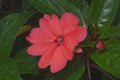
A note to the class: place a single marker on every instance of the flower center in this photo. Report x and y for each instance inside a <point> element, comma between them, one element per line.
<point>59,40</point>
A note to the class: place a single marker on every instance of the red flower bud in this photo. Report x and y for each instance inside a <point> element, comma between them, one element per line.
<point>78,50</point>
<point>100,45</point>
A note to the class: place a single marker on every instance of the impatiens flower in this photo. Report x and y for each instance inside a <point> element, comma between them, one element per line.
<point>55,40</point>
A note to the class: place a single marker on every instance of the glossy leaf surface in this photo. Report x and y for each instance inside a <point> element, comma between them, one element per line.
<point>102,13</point>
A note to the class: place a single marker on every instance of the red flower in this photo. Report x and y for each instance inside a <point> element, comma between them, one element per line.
<point>55,40</point>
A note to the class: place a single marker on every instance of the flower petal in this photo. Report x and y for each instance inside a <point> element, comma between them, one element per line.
<point>70,43</point>
<point>38,49</point>
<point>52,24</point>
<point>47,17</point>
<point>79,33</point>
<point>46,58</point>
<point>69,22</point>
<point>58,61</point>
<point>37,35</point>
<point>73,38</point>
<point>56,25</point>
<point>66,52</point>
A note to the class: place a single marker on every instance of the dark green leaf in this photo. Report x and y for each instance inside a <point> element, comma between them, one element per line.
<point>109,60</point>
<point>9,28</point>
<point>8,69</point>
<point>77,70</point>
<point>25,5</point>
<point>57,7</point>
<point>111,32</point>
<point>73,71</point>
<point>117,17</point>
<point>87,43</point>
<point>25,62</point>
<point>76,3</point>
<point>83,6</point>
<point>103,12</point>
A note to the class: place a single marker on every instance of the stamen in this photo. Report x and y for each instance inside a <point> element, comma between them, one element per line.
<point>59,40</point>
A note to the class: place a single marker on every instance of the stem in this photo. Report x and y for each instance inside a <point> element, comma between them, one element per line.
<point>96,67</point>
<point>88,66</point>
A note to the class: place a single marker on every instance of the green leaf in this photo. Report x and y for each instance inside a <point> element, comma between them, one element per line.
<point>9,28</point>
<point>26,5</point>
<point>117,17</point>
<point>57,7</point>
<point>111,32</point>
<point>104,13</point>
<point>109,60</point>
<point>25,62</point>
<point>83,6</point>
<point>8,69</point>
<point>87,43</point>
<point>76,3</point>
<point>77,71</point>
<point>73,71</point>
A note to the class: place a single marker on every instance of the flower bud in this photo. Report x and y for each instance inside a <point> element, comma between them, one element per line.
<point>78,50</point>
<point>100,45</point>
